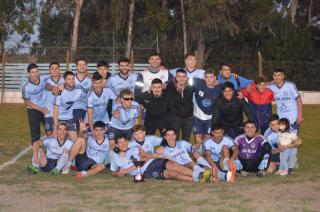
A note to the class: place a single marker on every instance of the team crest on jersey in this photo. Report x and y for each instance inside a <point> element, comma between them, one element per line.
<point>285,93</point>
<point>155,174</point>
<point>206,102</point>
<point>253,146</point>
<point>201,93</point>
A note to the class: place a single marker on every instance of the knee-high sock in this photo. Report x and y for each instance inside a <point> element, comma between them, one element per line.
<point>196,172</point>
<point>203,162</point>
<point>62,161</point>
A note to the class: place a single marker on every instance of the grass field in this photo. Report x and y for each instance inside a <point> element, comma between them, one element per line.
<point>20,191</point>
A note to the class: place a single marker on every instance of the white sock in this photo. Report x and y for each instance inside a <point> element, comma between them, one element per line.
<point>203,162</point>
<point>62,161</point>
<point>84,173</point>
<point>226,164</point>
<point>33,161</point>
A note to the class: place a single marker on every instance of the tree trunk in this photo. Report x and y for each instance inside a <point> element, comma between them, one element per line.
<point>201,47</point>
<point>75,29</point>
<point>185,37</point>
<point>310,13</point>
<point>293,10</point>
<point>130,27</point>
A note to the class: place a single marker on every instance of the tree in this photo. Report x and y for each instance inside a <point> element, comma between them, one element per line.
<point>130,27</point>
<point>75,28</point>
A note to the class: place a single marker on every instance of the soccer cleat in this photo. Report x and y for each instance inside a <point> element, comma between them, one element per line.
<point>33,169</point>
<point>55,172</point>
<point>66,170</point>
<point>78,175</point>
<point>205,176</point>
<point>73,168</point>
<point>214,176</point>
<point>291,171</point>
<point>231,175</point>
<point>283,172</point>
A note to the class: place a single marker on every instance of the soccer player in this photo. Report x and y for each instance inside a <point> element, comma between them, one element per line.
<point>89,151</point>
<point>190,60</point>
<point>254,150</point>
<point>181,106</point>
<point>64,104</point>
<point>33,94</point>
<point>124,116</point>
<point>125,79</point>
<point>103,69</point>
<point>146,142</point>
<point>178,151</point>
<point>205,93</point>
<point>288,99</point>
<point>156,105</point>
<point>155,70</point>
<point>222,155</point>
<point>82,81</point>
<point>260,99</point>
<point>98,99</point>
<point>52,90</point>
<point>229,110</point>
<point>123,157</point>
<point>226,75</point>
<point>58,149</point>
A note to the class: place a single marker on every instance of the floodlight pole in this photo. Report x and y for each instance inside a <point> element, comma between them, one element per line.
<point>3,75</point>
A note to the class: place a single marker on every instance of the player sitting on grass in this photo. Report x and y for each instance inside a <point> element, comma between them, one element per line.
<point>222,155</point>
<point>157,168</point>
<point>58,149</point>
<point>288,143</point>
<point>254,150</point>
<point>90,152</point>
<point>178,151</point>
<point>146,142</point>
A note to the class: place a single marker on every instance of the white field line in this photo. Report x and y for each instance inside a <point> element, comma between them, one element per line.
<point>15,158</point>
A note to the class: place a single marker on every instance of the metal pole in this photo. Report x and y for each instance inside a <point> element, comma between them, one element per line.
<point>3,75</point>
<point>68,60</point>
<point>260,64</point>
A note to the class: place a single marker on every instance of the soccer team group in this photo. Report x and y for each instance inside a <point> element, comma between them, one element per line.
<point>92,121</point>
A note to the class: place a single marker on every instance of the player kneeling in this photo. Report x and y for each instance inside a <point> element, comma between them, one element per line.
<point>156,168</point>
<point>58,149</point>
<point>90,152</point>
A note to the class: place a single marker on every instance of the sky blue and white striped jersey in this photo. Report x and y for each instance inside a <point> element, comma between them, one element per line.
<point>85,84</point>
<point>286,99</point>
<point>148,145</point>
<point>35,92</point>
<point>54,149</point>
<point>179,153</point>
<point>98,103</point>
<point>116,83</point>
<point>66,101</point>
<point>196,73</point>
<point>126,118</point>
<point>96,151</point>
<point>49,94</point>
<point>216,148</point>
<point>124,162</point>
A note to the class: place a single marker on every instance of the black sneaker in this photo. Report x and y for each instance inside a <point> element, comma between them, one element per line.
<point>291,171</point>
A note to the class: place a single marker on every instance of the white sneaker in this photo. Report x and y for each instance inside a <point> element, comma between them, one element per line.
<point>66,169</point>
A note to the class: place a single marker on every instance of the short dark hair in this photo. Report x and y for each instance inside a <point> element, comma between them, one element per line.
<point>286,122</point>
<point>67,73</point>
<point>100,124</point>
<point>63,124</point>
<point>96,76</point>
<point>164,141</point>
<point>227,85</point>
<point>103,63</point>
<point>137,128</point>
<point>54,63</point>
<point>189,55</point>
<point>278,70</point>
<point>31,66</point>
<point>81,59</point>
<point>274,117</point>
<point>120,136</point>
<point>154,54</point>
<point>156,81</point>
<point>181,70</point>
<point>123,60</point>
<point>249,122</point>
<point>226,64</point>
<point>259,80</point>
<point>210,71</point>
<point>169,129</point>
<point>217,127</point>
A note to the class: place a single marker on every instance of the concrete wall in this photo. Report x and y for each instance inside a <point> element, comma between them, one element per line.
<point>308,97</point>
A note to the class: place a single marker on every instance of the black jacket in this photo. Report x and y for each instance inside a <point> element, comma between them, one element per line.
<point>181,104</point>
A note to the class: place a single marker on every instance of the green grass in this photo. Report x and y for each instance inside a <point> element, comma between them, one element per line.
<point>19,189</point>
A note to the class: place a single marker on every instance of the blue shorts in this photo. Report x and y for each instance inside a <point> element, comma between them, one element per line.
<point>48,123</point>
<point>155,169</point>
<point>51,164</point>
<point>113,132</point>
<point>275,158</point>
<point>83,162</point>
<point>71,124</point>
<point>201,126</point>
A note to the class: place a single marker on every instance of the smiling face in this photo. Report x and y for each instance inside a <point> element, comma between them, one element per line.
<point>99,132</point>
<point>228,93</point>
<point>54,70</point>
<point>69,81</point>
<point>124,68</point>
<point>181,78</point>
<point>122,144</point>
<point>191,62</point>
<point>103,71</point>
<point>156,89</point>
<point>226,71</point>
<point>81,66</point>
<point>170,137</point>
<point>34,74</point>
<point>62,132</point>
<point>250,129</point>
<point>155,61</point>
<point>218,135</point>
<point>139,135</point>
<point>278,77</point>
<point>210,79</point>
<point>97,85</point>
<point>126,100</point>
<point>274,125</point>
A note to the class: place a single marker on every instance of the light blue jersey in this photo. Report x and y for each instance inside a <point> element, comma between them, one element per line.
<point>127,118</point>
<point>272,136</point>
<point>179,153</point>
<point>116,83</point>
<point>196,73</point>
<point>54,149</point>
<point>123,162</point>
<point>96,151</point>
<point>286,99</point>
<point>85,84</point>
<point>49,94</point>
<point>238,84</point>
<point>98,103</point>
<point>35,92</point>
<point>216,148</point>
<point>148,145</point>
<point>66,102</point>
